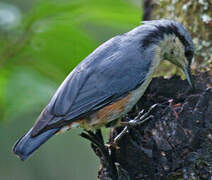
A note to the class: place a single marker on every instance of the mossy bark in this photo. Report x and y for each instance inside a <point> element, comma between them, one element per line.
<point>196,16</point>
<point>177,142</point>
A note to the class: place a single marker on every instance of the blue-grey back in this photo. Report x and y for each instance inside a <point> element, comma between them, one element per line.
<point>111,71</point>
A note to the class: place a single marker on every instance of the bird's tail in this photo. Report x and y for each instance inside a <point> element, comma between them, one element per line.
<point>26,145</point>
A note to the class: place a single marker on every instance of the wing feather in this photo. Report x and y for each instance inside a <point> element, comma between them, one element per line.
<point>110,72</point>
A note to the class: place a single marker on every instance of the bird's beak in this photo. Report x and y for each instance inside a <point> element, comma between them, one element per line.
<point>189,77</point>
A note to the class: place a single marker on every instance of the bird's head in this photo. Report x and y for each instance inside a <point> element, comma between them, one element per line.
<point>181,55</point>
<point>175,42</point>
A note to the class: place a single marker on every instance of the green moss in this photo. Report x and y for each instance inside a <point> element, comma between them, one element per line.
<point>196,16</point>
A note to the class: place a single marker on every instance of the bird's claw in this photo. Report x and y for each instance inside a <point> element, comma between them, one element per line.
<point>112,145</point>
<point>122,173</point>
<point>139,119</point>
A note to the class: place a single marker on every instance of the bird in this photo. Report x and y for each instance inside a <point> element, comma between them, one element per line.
<point>109,82</point>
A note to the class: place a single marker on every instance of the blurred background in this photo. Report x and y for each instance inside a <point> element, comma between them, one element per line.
<point>41,41</point>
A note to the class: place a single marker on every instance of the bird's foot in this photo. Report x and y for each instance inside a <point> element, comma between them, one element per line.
<point>112,145</point>
<point>141,118</point>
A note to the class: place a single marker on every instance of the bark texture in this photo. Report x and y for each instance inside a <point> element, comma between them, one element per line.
<point>147,10</point>
<point>175,144</point>
<point>196,16</point>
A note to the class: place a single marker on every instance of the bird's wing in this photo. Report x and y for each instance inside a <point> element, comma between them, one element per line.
<point>109,73</point>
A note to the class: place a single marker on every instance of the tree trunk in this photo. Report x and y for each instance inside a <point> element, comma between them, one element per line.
<point>176,143</point>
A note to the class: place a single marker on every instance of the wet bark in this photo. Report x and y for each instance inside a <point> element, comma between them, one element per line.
<point>175,144</point>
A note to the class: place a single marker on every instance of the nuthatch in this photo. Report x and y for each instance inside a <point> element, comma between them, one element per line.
<point>108,83</point>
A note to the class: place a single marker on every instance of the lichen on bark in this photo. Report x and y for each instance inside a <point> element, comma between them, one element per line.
<point>196,16</point>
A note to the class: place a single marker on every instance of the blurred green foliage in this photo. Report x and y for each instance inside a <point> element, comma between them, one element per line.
<point>41,41</point>
<point>53,37</point>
